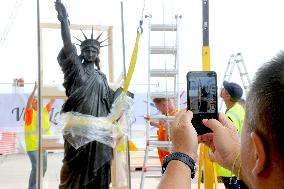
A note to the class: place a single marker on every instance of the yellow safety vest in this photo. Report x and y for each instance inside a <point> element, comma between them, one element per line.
<point>31,136</point>
<point>237,115</point>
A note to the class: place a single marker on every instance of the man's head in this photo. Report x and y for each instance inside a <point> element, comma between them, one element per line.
<point>164,105</point>
<point>231,91</point>
<point>262,137</point>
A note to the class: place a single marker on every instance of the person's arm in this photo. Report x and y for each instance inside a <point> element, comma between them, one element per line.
<point>184,139</point>
<point>152,122</point>
<point>28,111</point>
<point>65,29</point>
<point>177,175</point>
<point>31,98</point>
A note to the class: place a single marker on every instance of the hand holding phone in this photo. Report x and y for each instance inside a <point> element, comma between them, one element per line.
<point>202,98</point>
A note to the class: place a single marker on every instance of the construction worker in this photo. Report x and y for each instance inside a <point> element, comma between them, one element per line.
<point>232,94</point>
<point>166,107</point>
<point>31,136</point>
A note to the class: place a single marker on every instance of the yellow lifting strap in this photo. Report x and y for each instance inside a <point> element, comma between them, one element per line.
<point>132,64</point>
<point>128,78</point>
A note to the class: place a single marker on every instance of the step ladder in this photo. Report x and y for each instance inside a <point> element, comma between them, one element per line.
<point>236,59</point>
<point>169,77</point>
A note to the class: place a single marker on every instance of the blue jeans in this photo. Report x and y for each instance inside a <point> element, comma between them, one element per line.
<point>33,157</point>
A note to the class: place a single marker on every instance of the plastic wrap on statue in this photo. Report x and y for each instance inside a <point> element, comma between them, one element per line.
<point>80,129</point>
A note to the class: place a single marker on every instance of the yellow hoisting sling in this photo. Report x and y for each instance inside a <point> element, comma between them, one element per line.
<point>132,146</point>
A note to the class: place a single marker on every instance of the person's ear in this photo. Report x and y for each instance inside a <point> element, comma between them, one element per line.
<point>226,94</point>
<point>259,154</point>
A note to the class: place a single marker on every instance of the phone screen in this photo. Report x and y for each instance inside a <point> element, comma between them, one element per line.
<point>202,97</point>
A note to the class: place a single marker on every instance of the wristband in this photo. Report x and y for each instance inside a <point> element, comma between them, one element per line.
<point>180,157</point>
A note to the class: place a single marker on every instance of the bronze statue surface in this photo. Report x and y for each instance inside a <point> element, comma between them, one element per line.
<point>88,92</point>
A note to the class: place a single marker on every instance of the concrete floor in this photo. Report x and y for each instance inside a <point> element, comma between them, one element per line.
<point>15,169</point>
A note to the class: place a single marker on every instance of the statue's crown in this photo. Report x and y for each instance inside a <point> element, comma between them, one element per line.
<point>91,42</point>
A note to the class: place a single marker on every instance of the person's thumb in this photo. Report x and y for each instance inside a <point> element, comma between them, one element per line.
<point>212,124</point>
<point>189,115</point>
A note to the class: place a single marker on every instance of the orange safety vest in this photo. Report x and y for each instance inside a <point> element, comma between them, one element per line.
<point>163,136</point>
<point>31,136</point>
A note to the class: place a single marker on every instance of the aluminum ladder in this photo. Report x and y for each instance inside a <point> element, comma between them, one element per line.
<point>236,59</point>
<point>169,89</point>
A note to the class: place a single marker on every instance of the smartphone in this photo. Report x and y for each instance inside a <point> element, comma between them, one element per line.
<point>202,98</point>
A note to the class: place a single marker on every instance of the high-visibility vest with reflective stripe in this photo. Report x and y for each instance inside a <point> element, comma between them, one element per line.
<point>237,115</point>
<point>31,136</point>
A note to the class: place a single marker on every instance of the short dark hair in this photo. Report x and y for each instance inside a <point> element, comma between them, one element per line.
<point>265,103</point>
<point>158,100</point>
<point>161,99</point>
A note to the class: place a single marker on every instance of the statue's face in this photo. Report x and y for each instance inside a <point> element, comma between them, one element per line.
<point>90,54</point>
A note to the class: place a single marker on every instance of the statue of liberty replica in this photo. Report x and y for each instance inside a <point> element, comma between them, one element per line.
<point>88,92</point>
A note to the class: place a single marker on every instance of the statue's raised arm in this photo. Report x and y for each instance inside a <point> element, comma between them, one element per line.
<point>63,18</point>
